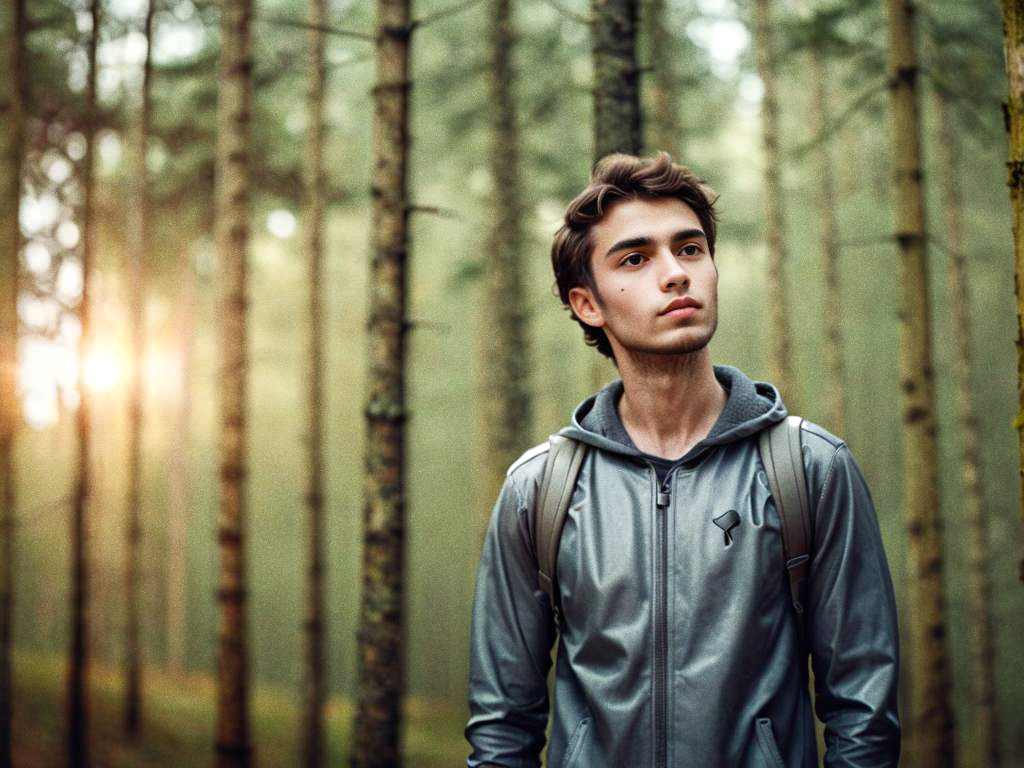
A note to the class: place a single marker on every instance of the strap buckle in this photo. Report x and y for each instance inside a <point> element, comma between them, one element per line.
<point>797,561</point>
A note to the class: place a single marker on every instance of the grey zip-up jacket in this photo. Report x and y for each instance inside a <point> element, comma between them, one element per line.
<point>678,643</point>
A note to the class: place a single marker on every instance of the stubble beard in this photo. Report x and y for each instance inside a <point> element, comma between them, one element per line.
<point>687,352</point>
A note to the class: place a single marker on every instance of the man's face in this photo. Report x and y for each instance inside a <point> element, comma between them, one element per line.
<point>657,285</point>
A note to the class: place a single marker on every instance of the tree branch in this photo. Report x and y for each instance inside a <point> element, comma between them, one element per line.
<point>447,213</point>
<point>837,122</point>
<point>886,240</point>
<point>326,29</point>
<point>449,11</point>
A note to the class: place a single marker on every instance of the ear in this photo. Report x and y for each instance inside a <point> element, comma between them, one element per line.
<point>585,306</point>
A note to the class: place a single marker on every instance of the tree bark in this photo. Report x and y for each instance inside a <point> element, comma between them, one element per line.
<point>178,481</point>
<point>780,364</point>
<point>1013,48</point>
<point>664,131</point>
<point>836,394</point>
<point>232,235</point>
<point>137,283</point>
<point>618,125</point>
<point>12,111</point>
<point>380,638</point>
<point>504,349</point>
<point>618,121</point>
<point>986,741</point>
<point>78,665</point>
<point>931,721</point>
<point>314,688</point>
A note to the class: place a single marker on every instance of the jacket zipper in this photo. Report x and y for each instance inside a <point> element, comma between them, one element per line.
<point>663,500</point>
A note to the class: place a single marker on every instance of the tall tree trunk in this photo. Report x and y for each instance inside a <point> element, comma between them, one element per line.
<point>618,125</point>
<point>836,393</point>
<point>1013,47</point>
<point>505,347</point>
<point>12,110</point>
<point>380,638</point>
<point>178,481</point>
<point>314,684</point>
<point>618,121</point>
<point>232,234</point>
<point>986,742</point>
<point>78,664</point>
<point>931,721</point>
<point>137,283</point>
<point>780,364</point>
<point>664,132</point>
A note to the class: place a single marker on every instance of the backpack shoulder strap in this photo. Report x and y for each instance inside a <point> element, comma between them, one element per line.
<point>780,450</point>
<point>553,497</point>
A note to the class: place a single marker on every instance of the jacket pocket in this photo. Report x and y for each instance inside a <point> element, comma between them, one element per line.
<point>575,746</point>
<point>766,740</point>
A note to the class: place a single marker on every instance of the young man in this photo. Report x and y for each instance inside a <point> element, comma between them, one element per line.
<point>678,643</point>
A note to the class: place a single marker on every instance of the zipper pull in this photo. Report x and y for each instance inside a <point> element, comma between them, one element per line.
<point>663,499</point>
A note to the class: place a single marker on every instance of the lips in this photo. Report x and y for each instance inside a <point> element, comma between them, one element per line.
<point>677,305</point>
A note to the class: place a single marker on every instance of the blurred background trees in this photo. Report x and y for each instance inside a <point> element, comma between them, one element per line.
<point>488,154</point>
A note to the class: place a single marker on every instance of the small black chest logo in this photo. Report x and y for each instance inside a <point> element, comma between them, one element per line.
<point>727,522</point>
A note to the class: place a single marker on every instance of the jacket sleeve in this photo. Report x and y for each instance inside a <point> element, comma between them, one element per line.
<point>510,644</point>
<point>851,624</point>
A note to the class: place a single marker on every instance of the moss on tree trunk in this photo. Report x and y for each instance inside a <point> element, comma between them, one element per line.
<point>380,639</point>
<point>1013,46</point>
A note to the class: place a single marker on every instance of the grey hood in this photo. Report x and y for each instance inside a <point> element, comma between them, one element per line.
<point>678,644</point>
<point>750,407</point>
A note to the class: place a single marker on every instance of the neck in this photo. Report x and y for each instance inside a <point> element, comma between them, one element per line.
<point>669,402</point>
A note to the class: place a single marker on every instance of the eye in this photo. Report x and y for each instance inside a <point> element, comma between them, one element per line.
<point>634,259</point>
<point>691,249</point>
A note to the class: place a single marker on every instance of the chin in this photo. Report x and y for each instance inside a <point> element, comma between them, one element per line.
<point>690,343</point>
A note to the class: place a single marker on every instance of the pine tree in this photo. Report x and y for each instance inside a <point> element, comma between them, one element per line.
<point>986,742</point>
<point>137,282</point>
<point>931,721</point>
<point>12,110</point>
<point>232,236</point>
<point>504,350</point>
<point>780,362</point>
<point>78,666</point>
<point>618,120</point>
<point>1013,48</point>
<point>380,649</point>
<point>314,684</point>
<point>618,123</point>
<point>662,104</point>
<point>836,392</point>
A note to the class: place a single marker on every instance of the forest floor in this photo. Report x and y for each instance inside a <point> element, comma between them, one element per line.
<point>179,722</point>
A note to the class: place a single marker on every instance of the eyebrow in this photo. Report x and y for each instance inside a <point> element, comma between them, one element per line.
<point>640,242</point>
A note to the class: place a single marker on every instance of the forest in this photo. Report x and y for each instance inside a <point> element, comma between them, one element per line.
<point>277,313</point>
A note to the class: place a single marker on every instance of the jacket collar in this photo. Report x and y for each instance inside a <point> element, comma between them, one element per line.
<point>750,407</point>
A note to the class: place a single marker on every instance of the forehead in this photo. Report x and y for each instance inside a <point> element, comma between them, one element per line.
<point>657,219</point>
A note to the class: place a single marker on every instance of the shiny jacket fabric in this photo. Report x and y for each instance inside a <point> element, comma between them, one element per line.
<point>679,644</point>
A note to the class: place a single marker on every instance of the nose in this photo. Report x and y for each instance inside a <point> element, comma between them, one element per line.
<point>673,275</point>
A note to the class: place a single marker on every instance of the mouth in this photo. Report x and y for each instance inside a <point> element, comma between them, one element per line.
<point>683,307</point>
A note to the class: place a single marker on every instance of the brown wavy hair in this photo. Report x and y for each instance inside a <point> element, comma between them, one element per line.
<point>615,178</point>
